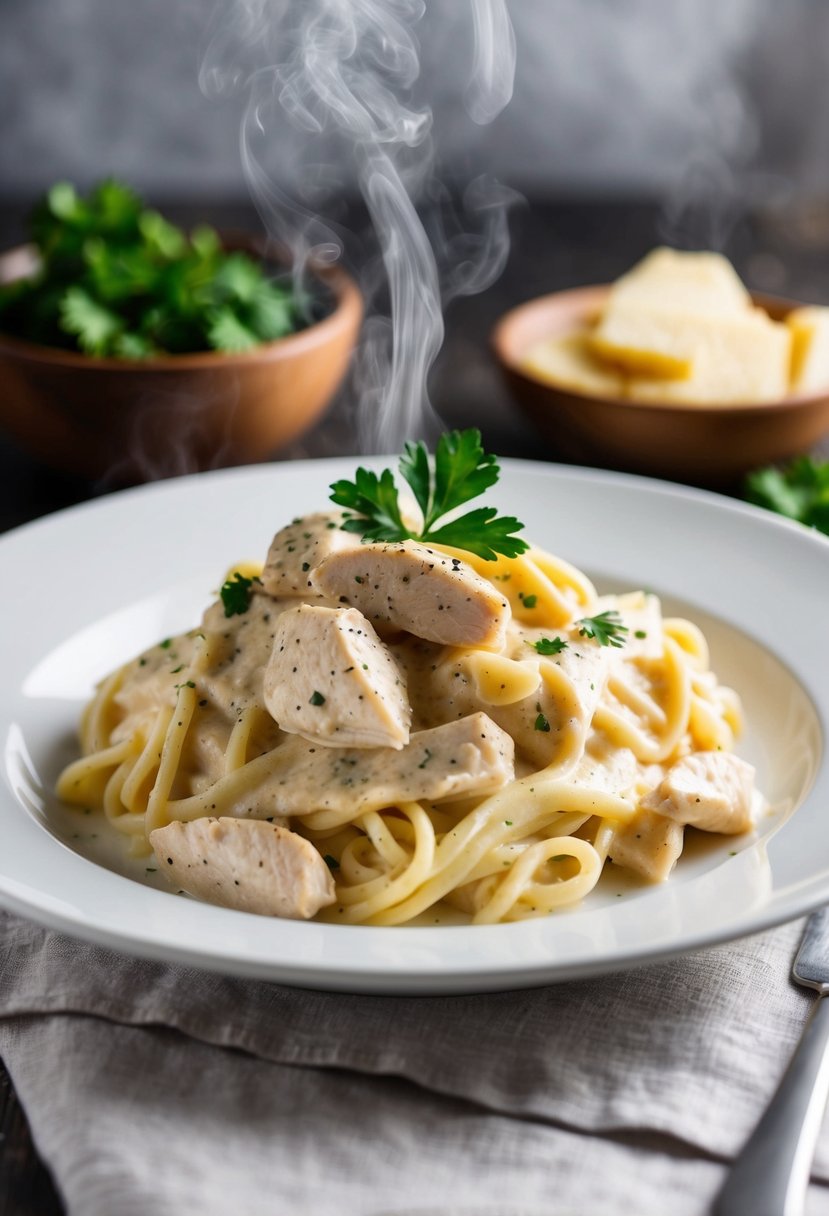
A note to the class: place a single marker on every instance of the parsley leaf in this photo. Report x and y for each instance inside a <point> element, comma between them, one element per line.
<point>236,593</point>
<point>799,491</point>
<point>607,628</point>
<point>373,501</point>
<point>462,470</point>
<point>548,645</point>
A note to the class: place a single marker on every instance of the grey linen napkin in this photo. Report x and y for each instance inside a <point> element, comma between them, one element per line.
<point>167,1090</point>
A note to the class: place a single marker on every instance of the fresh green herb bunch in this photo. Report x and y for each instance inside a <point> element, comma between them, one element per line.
<point>799,491</point>
<point>461,470</point>
<point>119,280</point>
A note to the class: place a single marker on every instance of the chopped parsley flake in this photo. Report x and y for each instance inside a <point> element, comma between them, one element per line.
<point>529,601</point>
<point>316,698</point>
<point>236,594</point>
<point>541,723</point>
<point>548,645</point>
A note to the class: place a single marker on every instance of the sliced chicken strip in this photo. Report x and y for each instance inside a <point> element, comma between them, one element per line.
<point>649,845</point>
<point>298,548</point>
<point>709,790</point>
<point>471,756</point>
<point>409,586</point>
<point>246,864</point>
<point>331,680</point>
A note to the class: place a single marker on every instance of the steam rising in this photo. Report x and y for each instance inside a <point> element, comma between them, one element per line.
<point>344,73</point>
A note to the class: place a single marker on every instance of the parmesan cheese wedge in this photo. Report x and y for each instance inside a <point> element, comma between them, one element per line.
<point>649,323</point>
<point>734,360</point>
<point>570,362</point>
<point>692,283</point>
<point>810,348</point>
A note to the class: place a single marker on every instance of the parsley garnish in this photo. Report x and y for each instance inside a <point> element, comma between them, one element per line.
<point>236,594</point>
<point>541,723</point>
<point>800,491</point>
<point>549,645</point>
<point>607,628</point>
<point>119,280</point>
<point>316,698</point>
<point>461,470</point>
<point>529,601</point>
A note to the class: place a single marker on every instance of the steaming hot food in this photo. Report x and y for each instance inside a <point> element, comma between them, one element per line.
<point>366,730</point>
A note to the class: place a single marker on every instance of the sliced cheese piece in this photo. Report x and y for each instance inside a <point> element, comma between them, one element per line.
<point>648,340</point>
<point>735,360</point>
<point>810,348</point>
<point>570,362</point>
<point>678,281</point>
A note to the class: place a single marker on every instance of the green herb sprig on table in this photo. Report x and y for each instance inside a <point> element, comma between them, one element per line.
<point>799,491</point>
<point>116,279</point>
<point>461,470</point>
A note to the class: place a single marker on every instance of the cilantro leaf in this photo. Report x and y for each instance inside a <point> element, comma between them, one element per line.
<point>548,645</point>
<point>94,325</point>
<point>235,594</point>
<point>606,627</point>
<point>226,332</point>
<point>462,470</point>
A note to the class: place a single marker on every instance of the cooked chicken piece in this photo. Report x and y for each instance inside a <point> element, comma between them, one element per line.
<point>297,549</point>
<point>246,864</point>
<point>472,756</point>
<point>331,680</point>
<point>710,790</point>
<point>649,845</point>
<point>409,586</point>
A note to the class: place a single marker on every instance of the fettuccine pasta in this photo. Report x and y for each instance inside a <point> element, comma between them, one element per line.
<point>311,753</point>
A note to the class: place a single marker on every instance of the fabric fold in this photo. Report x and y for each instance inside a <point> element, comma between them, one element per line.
<point>690,1049</point>
<point>138,1120</point>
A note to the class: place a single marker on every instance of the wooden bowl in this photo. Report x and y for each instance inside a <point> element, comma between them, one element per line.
<point>709,444</point>
<point>131,421</point>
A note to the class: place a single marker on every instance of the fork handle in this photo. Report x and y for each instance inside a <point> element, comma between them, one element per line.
<point>770,1176</point>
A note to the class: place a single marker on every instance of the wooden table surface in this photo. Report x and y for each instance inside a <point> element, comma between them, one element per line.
<point>554,246</point>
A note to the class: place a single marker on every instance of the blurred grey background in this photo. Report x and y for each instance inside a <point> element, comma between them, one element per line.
<point>725,98</point>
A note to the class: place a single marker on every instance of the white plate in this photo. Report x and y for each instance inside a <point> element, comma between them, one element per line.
<point>87,588</point>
